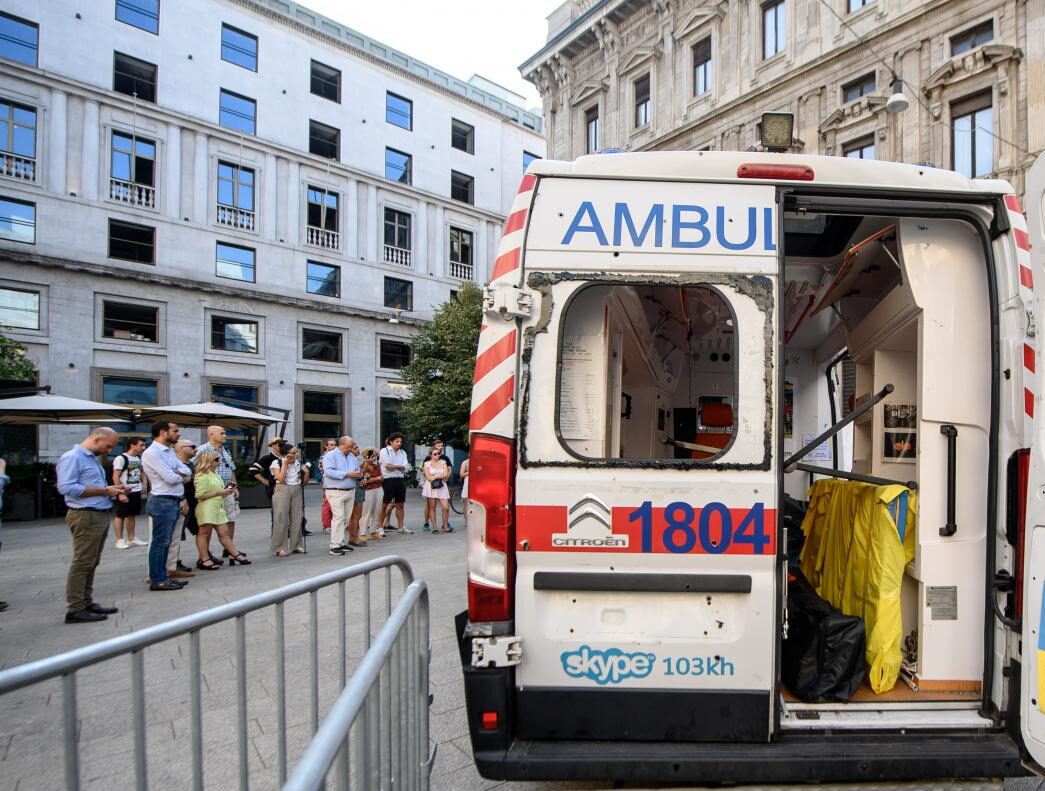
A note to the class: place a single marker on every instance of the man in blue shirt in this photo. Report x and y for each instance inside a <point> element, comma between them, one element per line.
<point>340,471</point>
<point>167,478</point>
<point>81,480</point>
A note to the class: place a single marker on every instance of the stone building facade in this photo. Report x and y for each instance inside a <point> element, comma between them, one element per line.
<point>693,74</point>
<point>212,199</point>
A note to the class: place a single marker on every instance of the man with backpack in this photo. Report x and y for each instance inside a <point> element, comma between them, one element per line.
<point>127,471</point>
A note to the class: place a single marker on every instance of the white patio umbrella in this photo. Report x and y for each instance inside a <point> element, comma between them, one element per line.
<point>209,413</point>
<point>45,408</point>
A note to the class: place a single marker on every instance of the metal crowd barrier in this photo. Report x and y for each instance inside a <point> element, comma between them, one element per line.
<point>392,696</point>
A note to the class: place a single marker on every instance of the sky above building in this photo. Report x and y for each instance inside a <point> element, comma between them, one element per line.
<point>461,37</point>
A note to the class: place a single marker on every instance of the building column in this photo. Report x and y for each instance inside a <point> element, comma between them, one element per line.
<point>90,156</point>
<point>481,268</point>
<point>420,240</point>
<point>171,189</point>
<point>293,189</point>
<point>57,143</point>
<point>268,193</point>
<point>372,248</point>
<point>437,263</point>
<point>199,180</point>
<point>350,243</point>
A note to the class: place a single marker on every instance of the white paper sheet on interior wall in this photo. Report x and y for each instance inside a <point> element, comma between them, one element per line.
<point>582,388</point>
<point>821,452</point>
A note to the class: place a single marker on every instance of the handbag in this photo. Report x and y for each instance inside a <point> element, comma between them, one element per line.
<point>437,483</point>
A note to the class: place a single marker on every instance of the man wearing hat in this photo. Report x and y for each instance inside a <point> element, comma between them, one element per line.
<point>260,468</point>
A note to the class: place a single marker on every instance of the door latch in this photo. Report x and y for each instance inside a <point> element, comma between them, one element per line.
<point>509,302</point>
<point>503,651</point>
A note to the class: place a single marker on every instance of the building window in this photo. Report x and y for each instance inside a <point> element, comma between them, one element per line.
<point>859,149</point>
<point>399,111</point>
<point>528,158</point>
<point>131,242</point>
<point>398,166</point>
<point>971,38</point>
<point>236,196</point>
<point>399,294</point>
<point>17,220</point>
<point>237,112</point>
<point>591,130</point>
<point>323,279</point>
<point>856,5</point>
<point>144,14</point>
<point>241,441</point>
<point>128,390</point>
<point>642,91</point>
<point>861,86</point>
<point>132,179</point>
<point>326,82</point>
<point>320,345</point>
<point>462,187</point>
<point>17,141</point>
<point>774,28</point>
<point>322,219</point>
<point>394,355</point>
<point>128,322</point>
<point>397,237</point>
<point>702,67</point>
<point>19,310</point>
<point>461,264</point>
<point>322,416</point>
<point>234,262</point>
<point>134,77</point>
<point>239,47</point>
<point>323,140</point>
<point>972,136</point>
<point>19,39</point>
<point>233,335</point>
<point>462,136</point>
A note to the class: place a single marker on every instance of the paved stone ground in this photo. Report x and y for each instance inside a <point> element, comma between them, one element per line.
<point>32,579</point>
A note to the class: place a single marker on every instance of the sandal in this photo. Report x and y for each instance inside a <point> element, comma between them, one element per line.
<point>207,565</point>
<point>281,554</point>
<point>241,558</point>
<point>448,529</point>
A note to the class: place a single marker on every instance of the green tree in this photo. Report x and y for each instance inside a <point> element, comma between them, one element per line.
<point>14,364</point>
<point>440,371</point>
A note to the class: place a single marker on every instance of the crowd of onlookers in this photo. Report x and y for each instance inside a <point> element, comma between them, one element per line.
<point>192,491</point>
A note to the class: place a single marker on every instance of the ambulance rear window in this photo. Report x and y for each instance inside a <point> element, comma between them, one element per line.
<point>647,372</point>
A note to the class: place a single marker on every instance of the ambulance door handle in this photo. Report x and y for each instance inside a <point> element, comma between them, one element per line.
<point>951,433</point>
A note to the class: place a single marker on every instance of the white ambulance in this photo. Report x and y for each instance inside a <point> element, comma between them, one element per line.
<point>673,345</point>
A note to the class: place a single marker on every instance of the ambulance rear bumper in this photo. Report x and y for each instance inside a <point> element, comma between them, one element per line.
<point>799,758</point>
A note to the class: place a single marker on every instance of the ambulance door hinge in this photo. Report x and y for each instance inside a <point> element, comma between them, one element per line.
<point>1032,328</point>
<point>503,651</point>
<point>509,302</point>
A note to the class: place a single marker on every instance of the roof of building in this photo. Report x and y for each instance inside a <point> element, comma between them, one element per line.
<point>353,38</point>
<point>723,165</point>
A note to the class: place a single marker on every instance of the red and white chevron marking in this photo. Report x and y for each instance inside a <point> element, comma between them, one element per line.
<point>1023,261</point>
<point>493,388</point>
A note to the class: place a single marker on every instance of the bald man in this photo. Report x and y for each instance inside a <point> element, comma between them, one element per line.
<point>340,472</point>
<point>226,470</point>
<point>81,481</point>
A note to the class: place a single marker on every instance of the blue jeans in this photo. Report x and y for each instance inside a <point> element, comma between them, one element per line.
<point>164,512</point>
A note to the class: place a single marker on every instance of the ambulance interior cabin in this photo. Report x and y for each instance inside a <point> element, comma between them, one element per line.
<point>884,316</point>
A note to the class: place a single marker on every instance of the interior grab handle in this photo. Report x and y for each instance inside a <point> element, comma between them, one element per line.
<point>855,476</point>
<point>951,433</point>
<point>841,424</point>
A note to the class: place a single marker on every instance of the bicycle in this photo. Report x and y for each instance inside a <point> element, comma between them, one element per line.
<point>456,501</point>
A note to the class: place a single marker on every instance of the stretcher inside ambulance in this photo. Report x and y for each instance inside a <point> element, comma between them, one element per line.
<point>756,475</point>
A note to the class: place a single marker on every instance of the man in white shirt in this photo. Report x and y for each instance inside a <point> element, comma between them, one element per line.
<point>166,500</point>
<point>127,471</point>
<point>394,464</point>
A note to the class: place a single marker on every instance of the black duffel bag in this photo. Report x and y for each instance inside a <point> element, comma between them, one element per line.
<point>823,656</point>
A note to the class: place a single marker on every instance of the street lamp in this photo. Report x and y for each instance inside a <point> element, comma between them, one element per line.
<point>897,103</point>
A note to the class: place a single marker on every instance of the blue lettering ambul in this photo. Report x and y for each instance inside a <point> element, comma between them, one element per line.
<point>655,219</point>
<point>586,209</point>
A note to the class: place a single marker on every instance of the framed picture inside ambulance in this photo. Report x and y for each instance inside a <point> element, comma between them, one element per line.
<point>899,436</point>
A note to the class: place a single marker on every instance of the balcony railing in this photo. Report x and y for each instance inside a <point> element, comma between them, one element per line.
<point>232,217</point>
<point>461,271</point>
<point>132,194</point>
<point>397,255</point>
<point>16,167</point>
<point>320,237</point>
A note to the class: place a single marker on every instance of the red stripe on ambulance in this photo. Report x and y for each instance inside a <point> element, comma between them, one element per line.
<point>516,220</point>
<point>494,356</point>
<point>1028,402</point>
<point>1026,277</point>
<point>493,405</point>
<point>1022,239</point>
<point>1028,357</point>
<point>508,262</point>
<point>1013,204</point>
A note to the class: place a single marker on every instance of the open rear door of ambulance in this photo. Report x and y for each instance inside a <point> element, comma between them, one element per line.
<point>646,588</point>
<point>1030,253</point>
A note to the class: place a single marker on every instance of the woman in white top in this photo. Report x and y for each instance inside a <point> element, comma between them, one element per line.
<point>435,491</point>
<point>288,501</point>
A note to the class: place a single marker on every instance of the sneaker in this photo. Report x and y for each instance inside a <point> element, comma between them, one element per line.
<point>122,544</point>
<point>377,535</point>
<point>137,542</point>
<point>347,548</point>
<point>336,551</point>
<point>427,528</point>
<point>182,567</point>
<point>326,529</point>
<point>405,531</point>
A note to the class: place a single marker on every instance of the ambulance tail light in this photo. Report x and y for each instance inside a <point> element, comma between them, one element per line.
<point>491,502</point>
<point>767,170</point>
